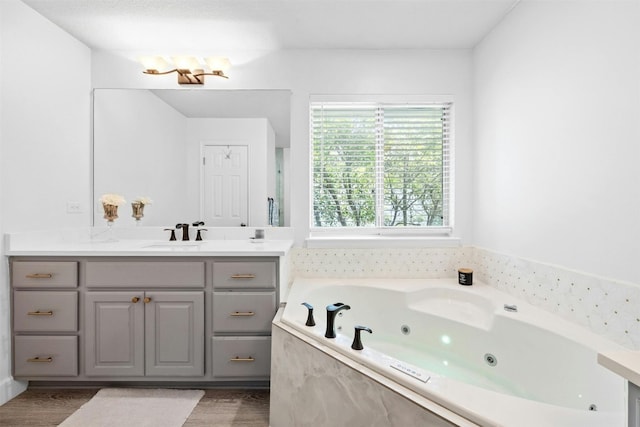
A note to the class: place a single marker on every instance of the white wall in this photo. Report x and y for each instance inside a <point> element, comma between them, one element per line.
<point>306,72</point>
<point>140,152</point>
<point>45,126</point>
<point>564,193</point>
<point>254,133</point>
<point>8,388</point>
<point>557,131</point>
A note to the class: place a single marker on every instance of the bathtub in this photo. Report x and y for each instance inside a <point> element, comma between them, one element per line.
<point>476,351</point>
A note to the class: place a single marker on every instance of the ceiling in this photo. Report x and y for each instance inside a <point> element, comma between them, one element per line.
<point>224,25</point>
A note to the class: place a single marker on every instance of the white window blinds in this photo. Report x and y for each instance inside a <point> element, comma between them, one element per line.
<point>380,165</point>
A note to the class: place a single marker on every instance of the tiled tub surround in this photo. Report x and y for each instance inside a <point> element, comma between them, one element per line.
<point>546,371</point>
<point>606,307</point>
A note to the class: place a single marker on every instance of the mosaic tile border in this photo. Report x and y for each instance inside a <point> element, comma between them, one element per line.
<point>606,307</point>
<point>401,263</point>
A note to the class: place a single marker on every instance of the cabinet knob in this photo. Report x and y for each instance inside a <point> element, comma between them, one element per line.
<point>40,313</point>
<point>242,313</point>
<point>147,300</point>
<point>135,299</point>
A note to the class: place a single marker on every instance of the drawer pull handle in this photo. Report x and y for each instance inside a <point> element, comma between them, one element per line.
<point>242,313</point>
<point>243,276</point>
<point>39,276</point>
<point>135,299</point>
<point>41,359</point>
<point>242,359</point>
<point>147,300</point>
<point>40,313</point>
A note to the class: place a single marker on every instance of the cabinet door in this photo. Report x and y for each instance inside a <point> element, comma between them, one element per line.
<point>174,333</point>
<point>114,336</point>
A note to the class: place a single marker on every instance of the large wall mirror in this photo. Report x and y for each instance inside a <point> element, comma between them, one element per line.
<point>215,155</point>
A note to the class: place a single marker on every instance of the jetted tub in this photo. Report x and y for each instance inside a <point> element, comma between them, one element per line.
<point>480,353</point>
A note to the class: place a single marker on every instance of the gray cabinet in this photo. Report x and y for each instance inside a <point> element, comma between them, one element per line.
<point>114,342</point>
<point>244,303</point>
<point>243,312</point>
<point>44,274</point>
<point>244,274</point>
<point>45,319</point>
<point>143,319</point>
<point>148,333</point>
<point>46,311</point>
<point>174,336</point>
<point>45,356</point>
<point>241,357</point>
<point>144,274</point>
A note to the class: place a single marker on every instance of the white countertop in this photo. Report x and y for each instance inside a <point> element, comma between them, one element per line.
<point>624,363</point>
<point>137,242</point>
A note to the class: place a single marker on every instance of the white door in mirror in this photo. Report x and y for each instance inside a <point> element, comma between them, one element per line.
<point>225,185</point>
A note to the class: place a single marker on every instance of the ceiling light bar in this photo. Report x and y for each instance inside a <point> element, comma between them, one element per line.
<point>189,69</point>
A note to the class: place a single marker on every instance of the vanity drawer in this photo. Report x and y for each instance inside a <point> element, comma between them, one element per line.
<point>243,311</point>
<point>36,274</point>
<point>36,356</point>
<point>244,274</point>
<point>241,356</point>
<point>45,311</point>
<point>156,274</point>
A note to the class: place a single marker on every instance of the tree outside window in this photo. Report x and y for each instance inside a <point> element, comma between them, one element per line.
<point>380,166</point>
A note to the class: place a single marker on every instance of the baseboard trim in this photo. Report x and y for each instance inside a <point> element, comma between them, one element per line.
<point>10,388</point>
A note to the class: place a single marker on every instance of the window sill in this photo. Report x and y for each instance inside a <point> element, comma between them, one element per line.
<point>382,241</point>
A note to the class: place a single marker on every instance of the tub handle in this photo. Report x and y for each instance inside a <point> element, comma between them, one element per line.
<point>357,342</point>
<point>310,320</point>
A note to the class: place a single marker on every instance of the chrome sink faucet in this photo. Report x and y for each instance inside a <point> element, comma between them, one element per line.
<point>332,311</point>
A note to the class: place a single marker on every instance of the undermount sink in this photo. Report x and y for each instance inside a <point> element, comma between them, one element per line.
<point>174,246</point>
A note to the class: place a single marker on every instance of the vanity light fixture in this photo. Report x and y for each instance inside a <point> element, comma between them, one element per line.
<point>190,70</point>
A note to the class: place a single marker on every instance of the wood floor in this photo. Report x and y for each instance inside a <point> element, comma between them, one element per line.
<point>220,408</point>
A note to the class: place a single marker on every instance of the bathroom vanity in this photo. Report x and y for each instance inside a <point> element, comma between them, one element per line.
<point>141,311</point>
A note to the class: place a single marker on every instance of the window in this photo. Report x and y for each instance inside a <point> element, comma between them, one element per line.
<point>380,165</point>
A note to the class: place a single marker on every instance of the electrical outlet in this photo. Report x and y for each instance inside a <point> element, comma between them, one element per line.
<point>74,207</point>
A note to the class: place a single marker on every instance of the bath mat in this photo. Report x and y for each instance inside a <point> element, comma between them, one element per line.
<point>133,407</point>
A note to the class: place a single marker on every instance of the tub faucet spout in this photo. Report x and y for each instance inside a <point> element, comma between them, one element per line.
<point>332,311</point>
